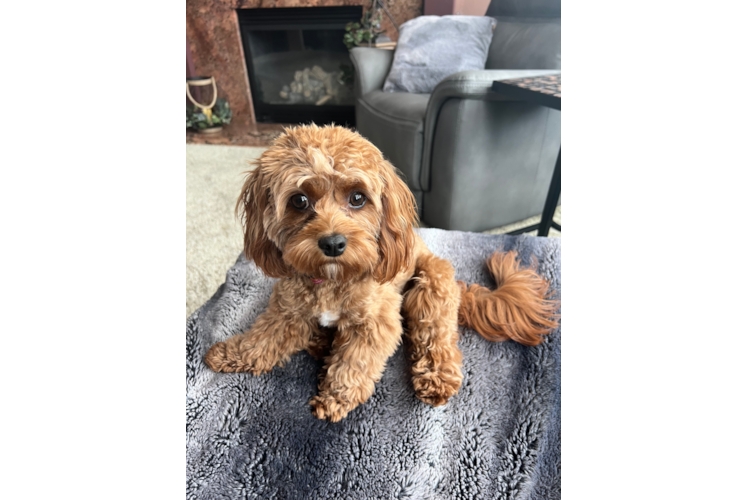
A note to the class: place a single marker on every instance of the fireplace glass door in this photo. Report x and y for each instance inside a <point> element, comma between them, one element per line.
<point>299,68</point>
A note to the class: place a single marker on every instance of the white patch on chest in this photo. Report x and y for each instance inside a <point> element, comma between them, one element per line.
<point>329,318</point>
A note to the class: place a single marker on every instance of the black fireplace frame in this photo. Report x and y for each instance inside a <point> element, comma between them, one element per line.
<point>306,18</point>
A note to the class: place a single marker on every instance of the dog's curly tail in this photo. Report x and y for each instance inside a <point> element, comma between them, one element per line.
<point>519,308</point>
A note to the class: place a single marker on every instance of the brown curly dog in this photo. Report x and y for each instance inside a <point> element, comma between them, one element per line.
<point>329,215</point>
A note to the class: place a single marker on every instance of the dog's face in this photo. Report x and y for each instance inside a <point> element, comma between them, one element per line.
<point>324,202</point>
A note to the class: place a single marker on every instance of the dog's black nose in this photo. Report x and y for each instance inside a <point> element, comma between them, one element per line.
<point>333,245</point>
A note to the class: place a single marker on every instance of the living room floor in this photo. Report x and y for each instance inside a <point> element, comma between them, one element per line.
<point>215,174</point>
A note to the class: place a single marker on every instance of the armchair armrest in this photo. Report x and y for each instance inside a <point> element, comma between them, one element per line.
<point>372,66</point>
<point>474,84</point>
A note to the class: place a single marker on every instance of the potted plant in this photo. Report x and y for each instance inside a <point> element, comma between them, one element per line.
<point>365,32</point>
<point>211,120</point>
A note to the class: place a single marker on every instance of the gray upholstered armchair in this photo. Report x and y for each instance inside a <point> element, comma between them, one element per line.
<point>475,160</point>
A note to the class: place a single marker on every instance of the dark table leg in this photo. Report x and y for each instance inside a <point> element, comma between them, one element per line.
<point>552,199</point>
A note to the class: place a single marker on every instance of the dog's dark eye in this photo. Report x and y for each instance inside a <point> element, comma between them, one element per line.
<point>357,200</point>
<point>300,202</point>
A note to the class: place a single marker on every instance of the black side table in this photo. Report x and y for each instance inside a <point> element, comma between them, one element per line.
<point>545,91</point>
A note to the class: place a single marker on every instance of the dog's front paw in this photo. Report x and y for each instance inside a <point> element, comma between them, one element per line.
<point>326,407</point>
<point>224,357</point>
<point>217,358</point>
<point>435,388</point>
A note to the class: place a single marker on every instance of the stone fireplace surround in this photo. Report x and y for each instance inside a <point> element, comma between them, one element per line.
<point>214,39</point>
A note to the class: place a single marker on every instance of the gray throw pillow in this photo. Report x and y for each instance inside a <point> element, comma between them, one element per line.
<point>430,48</point>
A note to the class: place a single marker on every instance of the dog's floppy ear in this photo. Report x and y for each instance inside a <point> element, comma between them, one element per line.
<point>396,238</point>
<point>251,207</point>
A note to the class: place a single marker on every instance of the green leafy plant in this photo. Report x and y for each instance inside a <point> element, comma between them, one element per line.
<point>220,115</point>
<point>366,31</point>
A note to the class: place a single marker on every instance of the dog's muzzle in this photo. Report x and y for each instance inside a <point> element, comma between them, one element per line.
<point>334,245</point>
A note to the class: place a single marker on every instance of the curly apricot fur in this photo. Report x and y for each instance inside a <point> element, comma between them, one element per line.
<point>352,318</point>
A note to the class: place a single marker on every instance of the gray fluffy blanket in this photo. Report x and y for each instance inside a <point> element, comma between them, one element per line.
<point>499,437</point>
